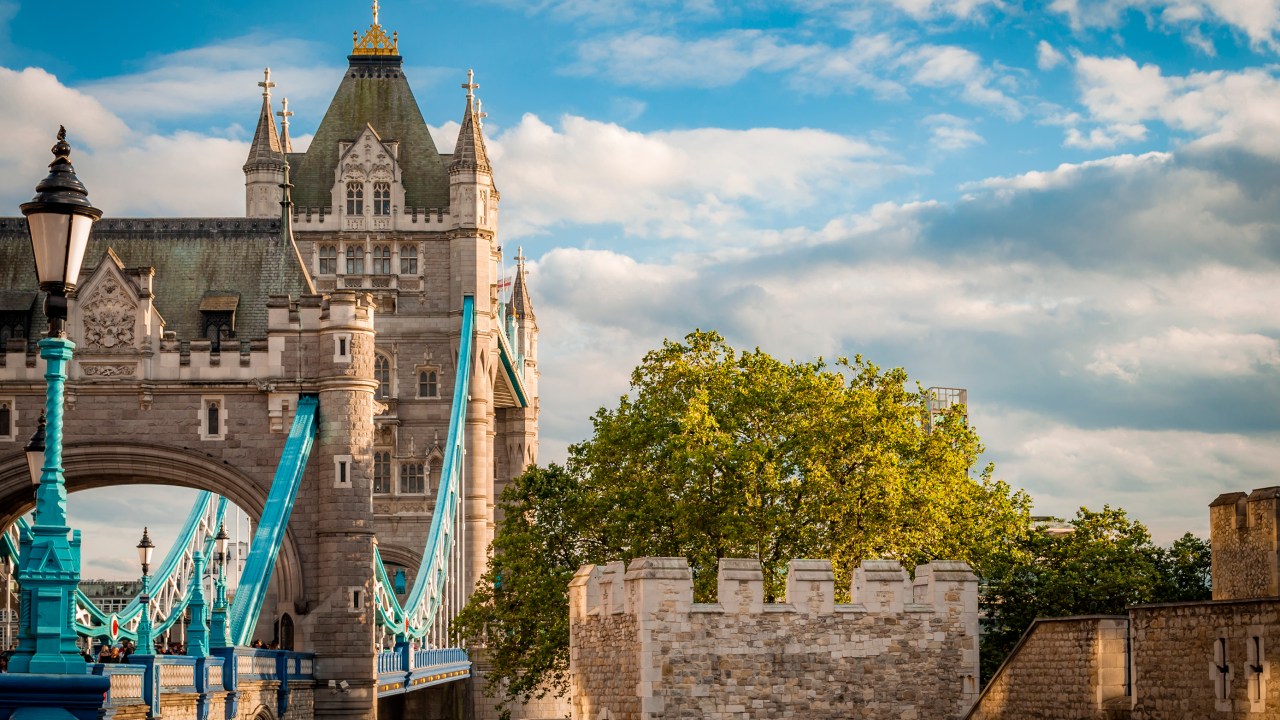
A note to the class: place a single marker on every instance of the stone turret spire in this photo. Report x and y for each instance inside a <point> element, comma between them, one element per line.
<point>521,305</point>
<point>265,151</point>
<point>469,154</point>
<point>285,114</point>
<point>264,169</point>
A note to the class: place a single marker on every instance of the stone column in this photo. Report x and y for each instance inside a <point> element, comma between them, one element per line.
<point>477,487</point>
<point>344,620</point>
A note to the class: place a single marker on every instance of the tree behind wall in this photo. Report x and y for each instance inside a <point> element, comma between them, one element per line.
<point>718,453</point>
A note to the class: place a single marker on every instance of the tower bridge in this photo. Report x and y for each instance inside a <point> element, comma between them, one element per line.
<point>349,364</point>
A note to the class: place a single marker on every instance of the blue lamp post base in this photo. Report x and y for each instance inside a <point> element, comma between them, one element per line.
<point>49,562</point>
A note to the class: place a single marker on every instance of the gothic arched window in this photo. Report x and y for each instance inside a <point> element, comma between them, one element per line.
<point>355,260</point>
<point>411,478</point>
<point>381,260</point>
<point>409,259</point>
<point>328,259</point>
<point>6,419</point>
<point>434,472</point>
<point>382,472</point>
<point>428,384</point>
<point>382,198</point>
<point>382,373</point>
<point>355,198</point>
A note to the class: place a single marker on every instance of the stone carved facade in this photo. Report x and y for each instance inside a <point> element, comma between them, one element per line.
<point>109,317</point>
<point>641,648</point>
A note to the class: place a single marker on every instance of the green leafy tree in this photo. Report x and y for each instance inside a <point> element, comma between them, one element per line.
<point>718,453</point>
<point>1103,564</point>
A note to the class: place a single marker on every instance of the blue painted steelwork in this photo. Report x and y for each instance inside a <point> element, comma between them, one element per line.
<point>414,618</point>
<point>93,622</point>
<point>512,359</point>
<point>275,517</point>
<point>425,668</point>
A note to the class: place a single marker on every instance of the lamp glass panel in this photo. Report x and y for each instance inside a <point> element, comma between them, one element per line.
<point>35,466</point>
<point>80,227</point>
<point>48,241</point>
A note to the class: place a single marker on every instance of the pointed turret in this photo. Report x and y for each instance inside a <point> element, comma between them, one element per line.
<point>521,305</point>
<point>264,170</point>
<point>469,153</point>
<point>284,114</point>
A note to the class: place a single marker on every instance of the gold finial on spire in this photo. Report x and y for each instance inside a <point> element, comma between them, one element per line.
<point>375,40</point>
<point>266,83</point>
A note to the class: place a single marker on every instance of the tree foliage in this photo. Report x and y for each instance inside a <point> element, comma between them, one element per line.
<point>1103,564</point>
<point>717,453</point>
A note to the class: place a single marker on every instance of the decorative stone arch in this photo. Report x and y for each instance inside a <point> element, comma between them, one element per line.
<point>89,465</point>
<point>262,712</point>
<point>406,557</point>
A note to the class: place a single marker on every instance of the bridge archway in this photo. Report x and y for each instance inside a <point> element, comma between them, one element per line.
<point>89,465</point>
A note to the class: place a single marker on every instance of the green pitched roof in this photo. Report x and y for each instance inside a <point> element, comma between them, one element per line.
<point>194,258</point>
<point>374,92</point>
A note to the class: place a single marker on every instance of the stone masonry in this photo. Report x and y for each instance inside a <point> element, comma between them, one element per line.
<point>641,648</point>
<point>1063,668</point>
<point>1187,660</point>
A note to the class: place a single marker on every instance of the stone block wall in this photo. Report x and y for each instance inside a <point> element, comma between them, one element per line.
<point>1062,669</point>
<point>1181,671</point>
<point>641,648</point>
<point>1245,535</point>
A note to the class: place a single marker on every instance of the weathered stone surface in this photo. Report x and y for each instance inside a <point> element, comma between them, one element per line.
<point>649,651</point>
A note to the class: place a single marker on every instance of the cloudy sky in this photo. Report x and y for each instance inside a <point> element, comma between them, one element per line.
<point>1068,207</point>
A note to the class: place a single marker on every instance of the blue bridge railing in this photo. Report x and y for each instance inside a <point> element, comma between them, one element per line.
<point>403,670</point>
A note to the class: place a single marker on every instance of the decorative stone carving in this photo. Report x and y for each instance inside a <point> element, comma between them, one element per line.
<point>109,371</point>
<point>353,171</point>
<point>109,317</point>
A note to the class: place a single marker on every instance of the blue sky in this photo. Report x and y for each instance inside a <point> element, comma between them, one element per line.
<point>1067,207</point>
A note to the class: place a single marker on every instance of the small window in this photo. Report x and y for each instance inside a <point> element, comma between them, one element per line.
<point>342,348</point>
<point>213,418</point>
<point>382,198</point>
<point>381,260</point>
<point>411,478</point>
<point>328,260</point>
<point>382,373</point>
<point>382,472</point>
<point>355,198</point>
<point>433,472</point>
<point>357,599</point>
<point>355,260</point>
<point>408,259</point>
<point>1221,670</point>
<point>428,384</point>
<point>6,420</point>
<point>342,471</point>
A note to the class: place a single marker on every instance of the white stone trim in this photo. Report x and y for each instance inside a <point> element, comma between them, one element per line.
<point>206,432</point>
<point>1220,656</point>
<point>1256,657</point>
<point>12,404</point>
<point>342,467</point>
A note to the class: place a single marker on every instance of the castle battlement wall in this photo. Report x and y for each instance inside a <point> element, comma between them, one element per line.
<point>1244,531</point>
<point>641,648</point>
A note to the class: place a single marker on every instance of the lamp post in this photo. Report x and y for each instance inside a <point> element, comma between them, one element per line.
<point>59,219</point>
<point>146,644</point>
<point>218,635</point>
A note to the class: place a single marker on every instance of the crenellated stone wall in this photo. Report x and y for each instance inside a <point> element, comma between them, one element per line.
<point>641,648</point>
<point>1245,535</point>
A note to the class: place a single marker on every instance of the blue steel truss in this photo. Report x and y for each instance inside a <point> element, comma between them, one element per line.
<point>414,618</point>
<point>275,518</point>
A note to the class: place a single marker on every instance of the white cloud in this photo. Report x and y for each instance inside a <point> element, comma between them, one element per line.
<point>201,175</point>
<point>1187,352</point>
<point>948,132</point>
<point>220,77</point>
<point>1240,109</point>
<point>689,183</point>
<point>1258,19</point>
<point>1047,57</point>
<point>876,62</point>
